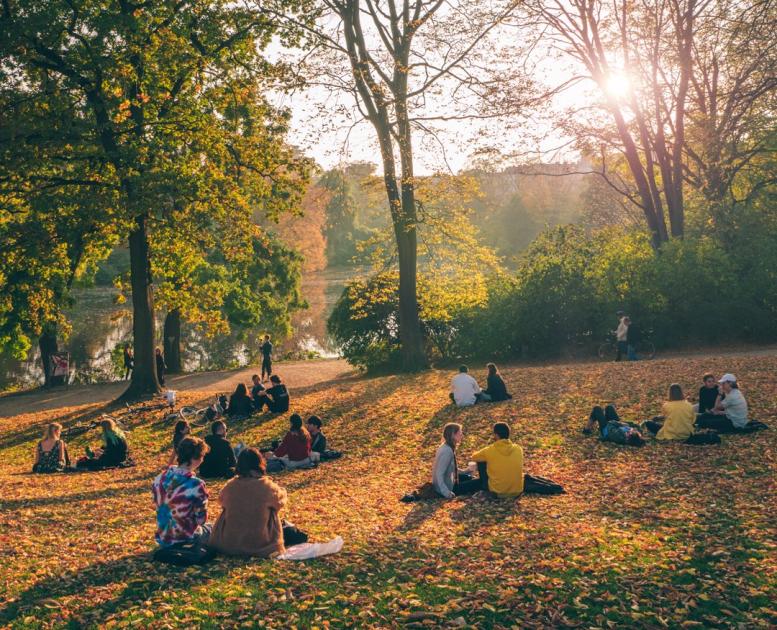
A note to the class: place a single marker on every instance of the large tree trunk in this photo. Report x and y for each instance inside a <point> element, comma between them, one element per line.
<point>47,342</point>
<point>172,341</point>
<point>144,377</point>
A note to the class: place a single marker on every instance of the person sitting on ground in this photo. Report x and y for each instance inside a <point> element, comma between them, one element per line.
<point>465,389</point>
<point>318,439</point>
<point>709,395</point>
<point>240,405</point>
<point>220,461</point>
<point>448,481</point>
<point>504,464</point>
<point>250,522</point>
<point>182,430</point>
<point>114,451</point>
<point>181,498</point>
<point>276,398</point>
<point>256,389</point>
<point>51,451</point>
<point>294,450</point>
<point>730,413</point>
<point>496,390</point>
<point>677,417</point>
<point>611,429</point>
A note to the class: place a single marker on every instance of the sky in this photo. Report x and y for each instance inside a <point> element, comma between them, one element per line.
<point>326,126</point>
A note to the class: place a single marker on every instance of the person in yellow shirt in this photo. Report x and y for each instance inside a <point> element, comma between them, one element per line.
<point>504,463</point>
<point>678,417</point>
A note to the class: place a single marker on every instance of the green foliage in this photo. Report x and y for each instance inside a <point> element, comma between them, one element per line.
<point>341,230</point>
<point>566,291</point>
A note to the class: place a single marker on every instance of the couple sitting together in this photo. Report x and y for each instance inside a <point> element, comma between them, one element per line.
<point>275,398</point>
<point>723,409</point>
<point>499,467</point>
<point>249,523</point>
<point>51,454</point>
<point>465,390</point>
<point>300,448</point>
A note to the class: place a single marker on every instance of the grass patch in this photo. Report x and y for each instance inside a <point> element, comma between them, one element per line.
<point>664,536</point>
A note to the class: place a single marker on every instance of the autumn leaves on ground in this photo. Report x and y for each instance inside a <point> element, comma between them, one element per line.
<point>664,536</point>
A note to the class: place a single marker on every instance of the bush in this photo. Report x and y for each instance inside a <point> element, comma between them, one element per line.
<point>565,293</point>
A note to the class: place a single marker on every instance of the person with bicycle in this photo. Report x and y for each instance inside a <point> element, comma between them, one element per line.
<point>621,335</point>
<point>633,339</point>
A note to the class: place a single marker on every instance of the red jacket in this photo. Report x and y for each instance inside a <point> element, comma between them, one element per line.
<point>295,445</point>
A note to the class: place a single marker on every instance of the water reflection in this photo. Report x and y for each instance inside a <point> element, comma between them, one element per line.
<point>100,326</point>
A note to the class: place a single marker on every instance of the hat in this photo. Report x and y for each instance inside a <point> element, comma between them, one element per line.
<point>728,378</point>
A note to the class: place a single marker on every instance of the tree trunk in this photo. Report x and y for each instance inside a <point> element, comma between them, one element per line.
<point>144,377</point>
<point>172,341</point>
<point>47,342</point>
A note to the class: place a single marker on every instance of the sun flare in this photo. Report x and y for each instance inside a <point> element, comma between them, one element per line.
<point>618,85</point>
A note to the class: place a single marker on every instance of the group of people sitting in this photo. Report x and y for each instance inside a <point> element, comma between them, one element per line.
<point>275,398</point>
<point>301,447</point>
<point>722,408</point>
<point>249,523</point>
<point>51,453</point>
<point>465,390</point>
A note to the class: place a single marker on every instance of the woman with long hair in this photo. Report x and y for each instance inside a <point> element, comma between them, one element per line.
<point>51,451</point>
<point>294,450</point>
<point>678,416</point>
<point>240,404</point>
<point>182,429</point>
<point>250,522</point>
<point>448,481</point>
<point>114,451</point>
<point>496,390</point>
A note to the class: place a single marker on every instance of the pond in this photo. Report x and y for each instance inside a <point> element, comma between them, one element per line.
<point>100,325</point>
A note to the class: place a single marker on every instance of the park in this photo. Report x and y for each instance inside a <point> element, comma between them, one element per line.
<point>369,314</point>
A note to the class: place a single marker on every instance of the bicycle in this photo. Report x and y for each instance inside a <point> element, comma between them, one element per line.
<point>200,417</point>
<point>608,350</point>
<point>81,427</point>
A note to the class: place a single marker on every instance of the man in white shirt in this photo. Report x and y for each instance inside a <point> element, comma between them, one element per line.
<point>465,390</point>
<point>730,413</point>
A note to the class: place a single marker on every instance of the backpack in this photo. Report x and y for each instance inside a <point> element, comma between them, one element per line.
<point>710,437</point>
<point>293,535</point>
<point>185,555</point>
<point>275,465</point>
<point>330,454</point>
<point>540,485</point>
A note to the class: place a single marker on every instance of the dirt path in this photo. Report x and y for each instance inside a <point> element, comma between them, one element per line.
<point>296,374</point>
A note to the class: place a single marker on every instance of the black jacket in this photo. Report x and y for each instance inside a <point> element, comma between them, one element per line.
<point>239,406</point>
<point>280,398</point>
<point>319,443</point>
<point>496,388</point>
<point>220,460</point>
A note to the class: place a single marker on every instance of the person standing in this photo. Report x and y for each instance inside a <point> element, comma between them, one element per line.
<point>266,357</point>
<point>633,339</point>
<point>621,336</point>
<point>160,366</point>
<point>129,361</point>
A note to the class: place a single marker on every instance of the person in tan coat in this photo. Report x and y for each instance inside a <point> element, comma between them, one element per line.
<point>250,522</point>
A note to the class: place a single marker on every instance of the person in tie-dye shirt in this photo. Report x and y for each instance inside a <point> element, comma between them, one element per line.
<point>181,498</point>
